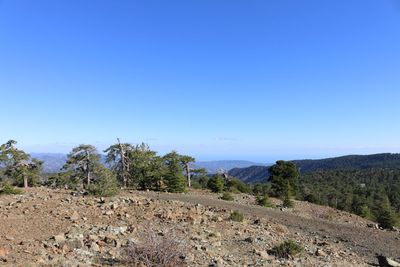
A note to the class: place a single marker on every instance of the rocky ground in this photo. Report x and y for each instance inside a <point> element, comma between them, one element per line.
<point>47,227</point>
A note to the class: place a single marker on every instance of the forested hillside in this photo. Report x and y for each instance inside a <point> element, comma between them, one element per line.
<point>256,174</point>
<point>368,186</point>
<point>371,193</point>
<point>252,174</point>
<point>385,160</point>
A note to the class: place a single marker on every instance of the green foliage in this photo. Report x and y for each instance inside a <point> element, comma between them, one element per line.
<point>118,158</point>
<point>18,165</point>
<point>235,185</point>
<point>236,216</point>
<point>31,172</point>
<point>227,196</point>
<point>9,189</point>
<point>185,162</point>
<point>383,212</point>
<point>82,161</point>
<point>105,185</point>
<point>287,249</point>
<point>287,201</point>
<point>174,179</point>
<point>311,197</point>
<point>284,177</point>
<point>67,180</point>
<point>264,201</point>
<point>366,213</point>
<point>261,189</point>
<point>146,168</point>
<point>216,184</point>
<point>200,176</point>
<point>370,193</point>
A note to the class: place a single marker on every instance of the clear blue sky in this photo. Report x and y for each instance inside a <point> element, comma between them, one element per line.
<point>218,79</point>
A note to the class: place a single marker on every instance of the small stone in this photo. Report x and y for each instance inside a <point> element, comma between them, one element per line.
<point>263,254</point>
<point>74,216</point>
<point>320,253</point>
<point>93,238</point>
<point>75,243</point>
<point>59,238</point>
<point>94,247</point>
<point>249,240</point>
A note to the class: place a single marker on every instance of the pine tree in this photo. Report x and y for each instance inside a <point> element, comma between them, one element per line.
<point>383,212</point>
<point>284,176</point>
<point>216,184</point>
<point>19,166</point>
<point>185,161</point>
<point>82,161</point>
<point>174,178</point>
<point>118,157</point>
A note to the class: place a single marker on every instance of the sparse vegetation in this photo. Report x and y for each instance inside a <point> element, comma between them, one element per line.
<point>287,201</point>
<point>164,250</point>
<point>9,189</point>
<point>227,196</point>
<point>236,216</point>
<point>236,186</point>
<point>287,249</point>
<point>264,201</point>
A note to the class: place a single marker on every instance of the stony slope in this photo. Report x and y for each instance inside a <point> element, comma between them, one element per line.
<point>48,227</point>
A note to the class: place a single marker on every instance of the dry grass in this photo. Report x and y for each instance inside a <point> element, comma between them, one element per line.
<point>156,249</point>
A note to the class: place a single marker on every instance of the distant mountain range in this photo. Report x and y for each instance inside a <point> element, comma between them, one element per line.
<point>53,162</point>
<point>226,165</point>
<point>254,174</point>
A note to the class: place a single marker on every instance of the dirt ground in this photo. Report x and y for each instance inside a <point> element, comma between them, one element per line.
<point>32,224</point>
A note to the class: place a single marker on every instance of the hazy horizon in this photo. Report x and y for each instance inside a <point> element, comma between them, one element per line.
<point>264,159</point>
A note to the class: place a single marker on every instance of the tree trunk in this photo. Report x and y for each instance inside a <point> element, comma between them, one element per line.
<point>88,177</point>
<point>123,161</point>
<point>26,182</point>
<point>88,168</point>
<point>188,175</point>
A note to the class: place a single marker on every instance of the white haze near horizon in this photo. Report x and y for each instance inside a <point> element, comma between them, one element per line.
<point>230,152</point>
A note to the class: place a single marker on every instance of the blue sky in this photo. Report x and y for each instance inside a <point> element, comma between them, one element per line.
<point>258,80</point>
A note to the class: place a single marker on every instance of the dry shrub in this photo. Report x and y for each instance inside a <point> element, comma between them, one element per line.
<point>156,249</point>
<point>287,249</point>
<point>323,213</point>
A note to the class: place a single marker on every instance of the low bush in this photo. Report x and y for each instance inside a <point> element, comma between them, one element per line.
<point>287,249</point>
<point>106,184</point>
<point>236,216</point>
<point>227,196</point>
<point>9,189</point>
<point>264,201</point>
<point>287,201</point>
<point>236,186</point>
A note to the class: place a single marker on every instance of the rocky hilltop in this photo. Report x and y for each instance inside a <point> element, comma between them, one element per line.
<point>47,227</point>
